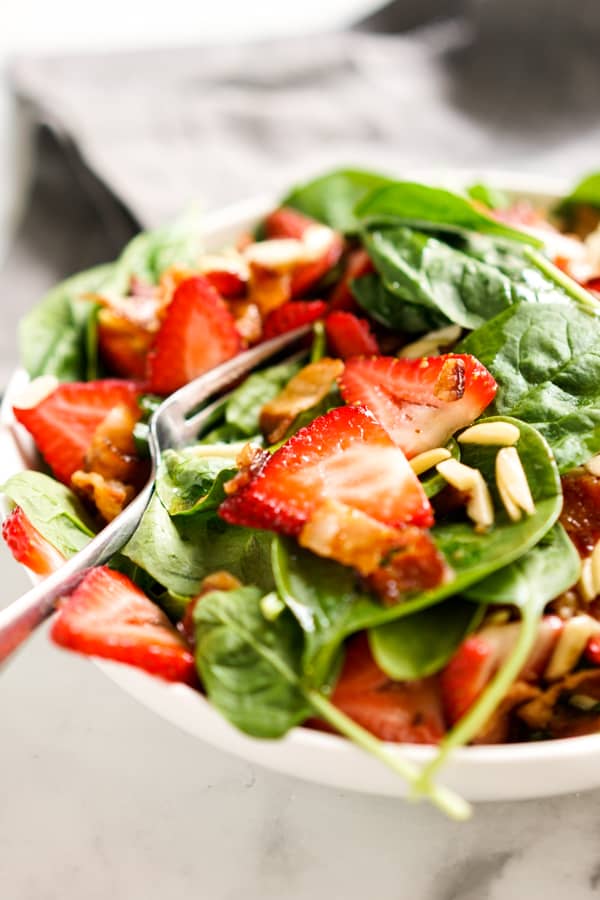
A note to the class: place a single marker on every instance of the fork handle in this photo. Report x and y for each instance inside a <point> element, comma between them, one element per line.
<point>18,620</point>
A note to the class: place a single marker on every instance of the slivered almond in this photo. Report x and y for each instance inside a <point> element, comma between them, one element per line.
<point>595,568</point>
<point>585,585</point>
<point>512,483</point>
<point>503,434</point>
<point>593,465</point>
<point>479,506</point>
<point>36,391</point>
<point>218,450</point>
<point>428,459</point>
<point>316,240</point>
<point>571,644</point>
<point>277,255</point>
<point>232,262</point>
<point>431,344</point>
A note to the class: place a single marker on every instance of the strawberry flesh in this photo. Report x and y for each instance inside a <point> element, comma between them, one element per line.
<point>349,336</point>
<point>288,223</point>
<point>358,264</point>
<point>420,402</point>
<point>409,712</point>
<point>28,546</point>
<point>198,333</point>
<point>110,617</point>
<point>291,315</point>
<point>63,424</point>
<point>344,455</point>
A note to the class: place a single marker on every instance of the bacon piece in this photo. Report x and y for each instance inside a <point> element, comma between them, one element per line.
<point>552,713</point>
<point>307,388</point>
<point>417,565</point>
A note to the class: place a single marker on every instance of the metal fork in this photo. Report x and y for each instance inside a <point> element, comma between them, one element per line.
<point>173,425</point>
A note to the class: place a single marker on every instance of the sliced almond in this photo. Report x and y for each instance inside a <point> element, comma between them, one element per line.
<point>36,391</point>
<point>479,507</point>
<point>585,585</point>
<point>428,459</point>
<point>595,568</point>
<point>571,644</point>
<point>512,482</point>
<point>431,344</point>
<point>278,255</point>
<point>218,450</point>
<point>503,434</point>
<point>593,465</point>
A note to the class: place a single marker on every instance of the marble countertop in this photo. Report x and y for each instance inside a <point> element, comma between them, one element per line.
<point>102,799</point>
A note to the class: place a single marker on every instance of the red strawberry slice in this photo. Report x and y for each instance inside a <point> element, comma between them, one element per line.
<point>409,712</point>
<point>288,223</point>
<point>592,651</point>
<point>344,455</point>
<point>293,315</point>
<point>359,264</point>
<point>227,283</point>
<point>63,423</point>
<point>108,616</point>
<point>28,546</point>
<point>420,402</point>
<point>348,336</point>
<point>480,656</point>
<point>198,333</point>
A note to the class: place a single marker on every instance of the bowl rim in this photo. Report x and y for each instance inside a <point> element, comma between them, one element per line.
<point>16,444</point>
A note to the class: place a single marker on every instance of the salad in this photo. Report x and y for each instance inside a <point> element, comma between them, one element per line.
<point>394,535</point>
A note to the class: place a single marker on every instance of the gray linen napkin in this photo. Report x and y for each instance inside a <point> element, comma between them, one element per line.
<point>131,139</point>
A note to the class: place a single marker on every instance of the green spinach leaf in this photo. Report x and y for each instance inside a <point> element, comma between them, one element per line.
<point>489,196</point>
<point>51,508</point>
<point>586,193</point>
<point>188,482</point>
<point>546,360</point>
<point>332,197</point>
<point>252,671</point>
<point>393,311</point>
<point>243,408</point>
<point>180,552</point>
<point>420,645</point>
<point>429,208</point>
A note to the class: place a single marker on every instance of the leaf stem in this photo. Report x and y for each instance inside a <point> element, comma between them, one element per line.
<point>483,708</point>
<point>585,298</point>
<point>319,344</point>
<point>444,798</point>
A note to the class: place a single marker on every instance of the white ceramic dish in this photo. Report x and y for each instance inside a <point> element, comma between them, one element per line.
<point>509,772</point>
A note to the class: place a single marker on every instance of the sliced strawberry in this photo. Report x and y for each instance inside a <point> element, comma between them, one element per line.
<point>28,546</point>
<point>420,402</point>
<point>592,650</point>
<point>480,656</point>
<point>63,423</point>
<point>358,264</point>
<point>409,712</point>
<point>197,334</point>
<point>293,315</point>
<point>229,284</point>
<point>348,336</point>
<point>344,455</point>
<point>288,223</point>
<point>123,345</point>
<point>108,616</point>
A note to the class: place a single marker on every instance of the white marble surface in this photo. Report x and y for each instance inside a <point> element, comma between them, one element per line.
<point>101,799</point>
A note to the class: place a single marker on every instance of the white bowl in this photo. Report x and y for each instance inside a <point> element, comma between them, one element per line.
<point>511,772</point>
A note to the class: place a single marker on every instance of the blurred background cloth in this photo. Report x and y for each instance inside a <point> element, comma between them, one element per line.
<point>130,139</point>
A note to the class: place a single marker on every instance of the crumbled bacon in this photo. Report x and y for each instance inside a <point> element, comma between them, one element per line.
<point>581,509</point>
<point>108,496</point>
<point>302,392</point>
<point>416,566</point>
<point>248,320</point>
<point>552,713</point>
<point>337,531</point>
<point>450,384</point>
<point>112,452</point>
<point>250,461</point>
<point>498,728</point>
<point>268,289</point>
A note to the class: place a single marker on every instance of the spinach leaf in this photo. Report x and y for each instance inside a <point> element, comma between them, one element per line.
<point>51,508</point>
<point>546,360</point>
<point>332,197</point>
<point>252,671</point>
<point>432,481</point>
<point>329,606</point>
<point>393,311</point>
<point>489,196</point>
<point>243,408</point>
<point>429,208</point>
<point>427,272</point>
<point>586,193</point>
<point>420,645</point>
<point>54,337</point>
<point>188,482</point>
<point>250,668</point>
<point>530,583</point>
<point>180,552</point>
